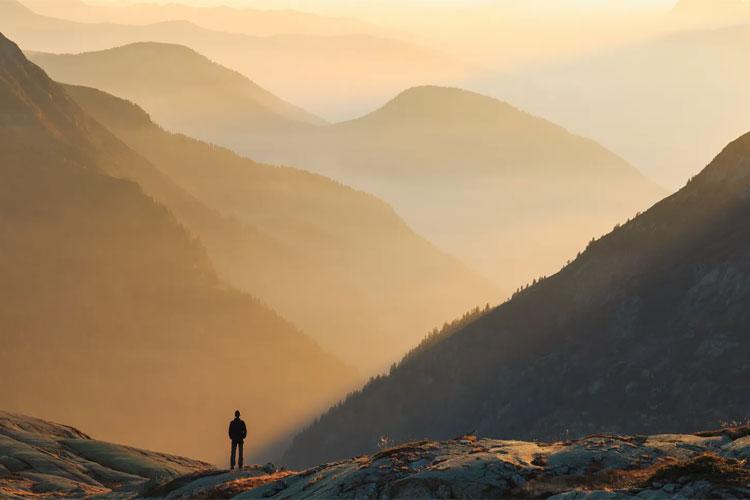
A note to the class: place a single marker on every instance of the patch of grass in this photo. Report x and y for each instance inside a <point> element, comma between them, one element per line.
<point>161,490</point>
<point>733,433</point>
<point>544,485</point>
<point>708,466</point>
<point>404,448</point>
<point>233,488</point>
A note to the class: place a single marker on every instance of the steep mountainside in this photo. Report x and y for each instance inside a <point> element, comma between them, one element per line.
<point>513,195</point>
<point>646,331</point>
<point>337,262</point>
<point>182,90</point>
<point>44,458</point>
<point>667,105</point>
<point>111,315</point>
<point>343,75</point>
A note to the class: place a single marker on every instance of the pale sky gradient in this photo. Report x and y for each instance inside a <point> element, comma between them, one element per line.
<point>350,5</point>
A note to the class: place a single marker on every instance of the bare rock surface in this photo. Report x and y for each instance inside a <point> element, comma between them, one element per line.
<point>600,467</point>
<point>43,459</point>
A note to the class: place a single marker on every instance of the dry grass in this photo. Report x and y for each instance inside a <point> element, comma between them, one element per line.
<point>724,474</point>
<point>237,486</point>
<point>413,447</point>
<point>720,471</point>
<point>733,433</point>
<point>15,487</point>
<point>544,486</point>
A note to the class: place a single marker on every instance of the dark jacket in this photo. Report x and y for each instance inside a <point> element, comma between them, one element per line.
<point>237,430</point>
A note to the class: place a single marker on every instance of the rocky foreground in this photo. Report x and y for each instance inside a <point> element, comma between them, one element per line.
<point>40,459</point>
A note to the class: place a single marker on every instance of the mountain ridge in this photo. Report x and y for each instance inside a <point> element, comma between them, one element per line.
<point>183,90</point>
<point>332,66</point>
<point>331,244</point>
<point>128,304</point>
<point>473,155</point>
<point>626,331</point>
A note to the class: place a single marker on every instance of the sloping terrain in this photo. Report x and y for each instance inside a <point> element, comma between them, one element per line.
<point>646,331</point>
<point>111,314</point>
<point>42,459</point>
<point>338,262</point>
<point>343,75</point>
<point>182,90</point>
<point>512,195</point>
<point>710,465</point>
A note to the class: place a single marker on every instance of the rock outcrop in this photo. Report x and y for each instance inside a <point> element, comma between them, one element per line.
<point>38,458</point>
<point>43,459</point>
<point>708,465</point>
<point>46,459</point>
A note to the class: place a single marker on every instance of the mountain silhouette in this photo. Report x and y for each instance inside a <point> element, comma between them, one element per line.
<point>182,90</point>
<point>338,262</point>
<point>646,331</point>
<point>107,299</point>
<point>514,196</point>
<point>343,75</point>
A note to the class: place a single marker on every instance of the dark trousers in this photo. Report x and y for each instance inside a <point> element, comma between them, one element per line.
<point>235,446</point>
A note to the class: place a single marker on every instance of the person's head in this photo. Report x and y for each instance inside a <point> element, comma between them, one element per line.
<point>237,413</point>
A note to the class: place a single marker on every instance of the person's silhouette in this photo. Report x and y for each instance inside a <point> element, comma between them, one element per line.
<point>237,433</point>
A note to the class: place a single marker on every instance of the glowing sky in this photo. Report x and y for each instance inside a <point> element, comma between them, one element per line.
<point>346,5</point>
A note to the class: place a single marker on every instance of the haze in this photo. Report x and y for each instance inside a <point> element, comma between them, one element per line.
<point>334,178</point>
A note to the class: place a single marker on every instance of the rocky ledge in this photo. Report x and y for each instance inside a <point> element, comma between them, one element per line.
<point>41,459</point>
<point>707,465</point>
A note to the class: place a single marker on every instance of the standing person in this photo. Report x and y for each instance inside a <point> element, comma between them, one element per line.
<point>237,433</point>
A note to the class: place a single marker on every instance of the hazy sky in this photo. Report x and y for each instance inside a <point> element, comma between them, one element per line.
<point>326,5</point>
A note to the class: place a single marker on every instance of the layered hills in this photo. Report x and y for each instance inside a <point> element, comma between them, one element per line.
<point>513,195</point>
<point>646,331</point>
<point>183,91</point>
<point>343,74</point>
<point>42,458</point>
<point>336,261</point>
<point>107,300</point>
<point>469,154</point>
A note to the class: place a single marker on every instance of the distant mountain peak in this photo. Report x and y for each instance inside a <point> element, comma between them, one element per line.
<point>436,104</point>
<point>153,46</point>
<point>436,94</point>
<point>181,88</point>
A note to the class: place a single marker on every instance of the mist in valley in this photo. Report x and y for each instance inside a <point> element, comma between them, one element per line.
<point>262,205</point>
